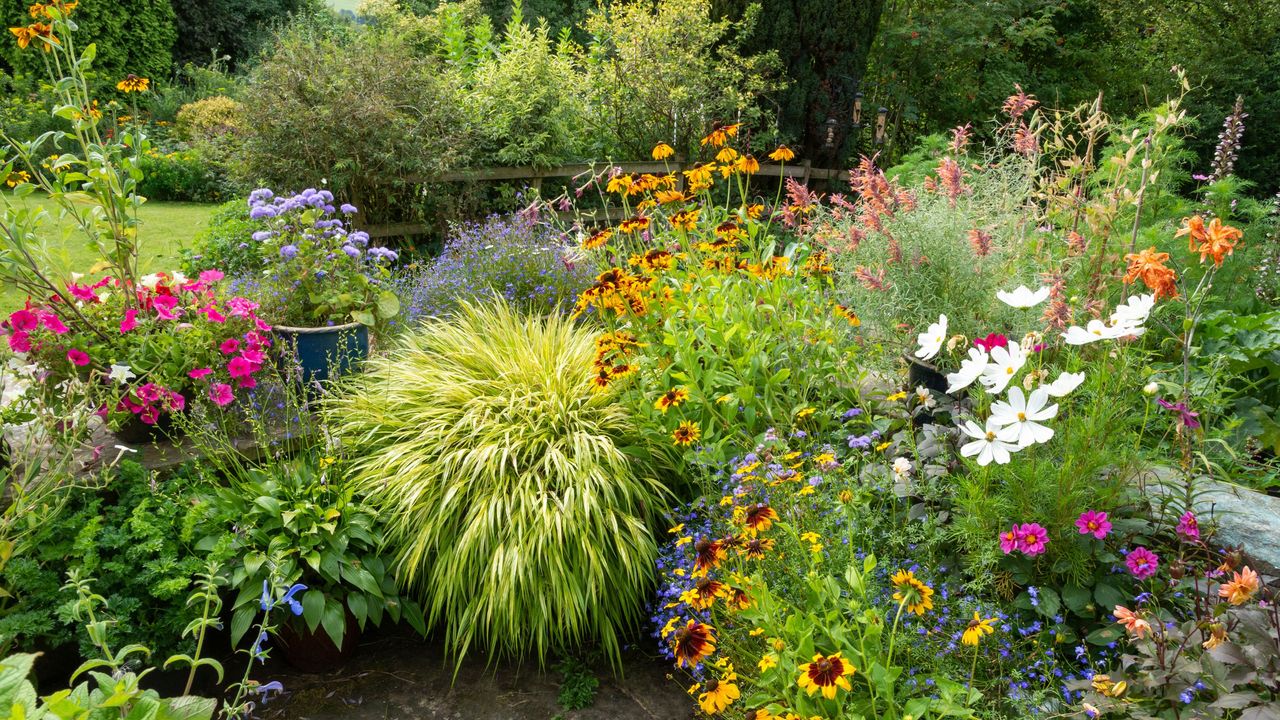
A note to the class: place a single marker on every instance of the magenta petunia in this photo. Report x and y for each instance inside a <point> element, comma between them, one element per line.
<point>165,306</point>
<point>20,342</point>
<point>23,320</point>
<point>1093,522</point>
<point>992,341</point>
<point>78,357</point>
<point>199,373</point>
<point>53,323</point>
<point>129,322</point>
<point>212,313</point>
<point>1142,563</point>
<point>239,367</point>
<point>221,394</point>
<point>209,277</point>
<point>229,346</point>
<point>1188,526</point>
<point>1032,538</point>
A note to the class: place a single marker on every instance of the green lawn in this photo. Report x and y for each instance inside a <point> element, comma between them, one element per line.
<point>166,228</point>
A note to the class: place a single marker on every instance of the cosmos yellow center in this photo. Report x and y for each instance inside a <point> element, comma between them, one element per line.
<point>1022,417</point>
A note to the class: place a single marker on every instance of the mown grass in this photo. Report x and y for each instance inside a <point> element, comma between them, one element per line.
<point>167,227</point>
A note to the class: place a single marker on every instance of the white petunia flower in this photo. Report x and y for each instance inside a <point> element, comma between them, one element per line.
<point>1065,383</point>
<point>986,444</point>
<point>1020,417</point>
<point>1096,330</point>
<point>1023,297</point>
<point>121,374</point>
<point>931,340</point>
<point>969,371</point>
<point>1005,363</point>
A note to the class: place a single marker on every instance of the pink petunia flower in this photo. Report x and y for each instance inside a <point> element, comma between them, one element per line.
<point>254,356</point>
<point>1142,563</point>
<point>1032,538</point>
<point>239,367</point>
<point>229,346</point>
<point>1009,540</point>
<point>149,393</point>
<point>53,323</point>
<point>247,382</point>
<point>165,306</point>
<point>212,313</point>
<point>78,357</point>
<point>83,293</point>
<point>199,373</point>
<point>149,415</point>
<point>221,394</point>
<point>23,320</point>
<point>20,342</point>
<point>209,277</point>
<point>177,402</point>
<point>129,322</point>
<point>1188,526</point>
<point>240,307</point>
<point>1093,522</point>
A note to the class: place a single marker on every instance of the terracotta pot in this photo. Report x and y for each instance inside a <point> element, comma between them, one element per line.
<point>314,652</point>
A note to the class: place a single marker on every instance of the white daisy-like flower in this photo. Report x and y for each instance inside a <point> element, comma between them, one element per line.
<point>1023,297</point>
<point>931,340</point>
<point>902,468</point>
<point>1093,332</point>
<point>1005,363</point>
<point>970,369</point>
<point>1065,383</point>
<point>1019,418</point>
<point>986,444</point>
<point>1135,311</point>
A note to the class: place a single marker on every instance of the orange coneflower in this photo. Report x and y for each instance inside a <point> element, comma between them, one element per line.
<point>757,548</point>
<point>651,260</point>
<point>687,433</point>
<point>671,398</point>
<point>825,673</point>
<point>634,224</point>
<point>748,165</point>
<point>693,642</point>
<point>817,264</point>
<point>719,694</point>
<point>914,594</point>
<point>707,554</point>
<point>1150,266</point>
<point>685,220</point>
<point>720,134</point>
<point>132,83</point>
<point>1241,588</point>
<point>976,628</point>
<point>760,517</point>
<point>726,155</point>
<point>662,151</point>
<point>666,197</point>
<point>597,239</point>
<point>753,211</point>
<point>700,174</point>
<point>737,599</point>
<point>704,594</point>
<point>782,154</point>
<point>850,316</point>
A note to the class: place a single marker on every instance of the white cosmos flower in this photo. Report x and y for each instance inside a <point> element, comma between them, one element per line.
<point>970,369</point>
<point>1005,363</point>
<point>925,397</point>
<point>931,340</point>
<point>1023,297</point>
<point>121,374</point>
<point>1135,311</point>
<point>986,443</point>
<point>1065,383</point>
<point>1019,419</point>
<point>1096,330</point>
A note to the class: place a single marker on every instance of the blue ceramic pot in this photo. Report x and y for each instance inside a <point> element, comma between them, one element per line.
<point>324,353</point>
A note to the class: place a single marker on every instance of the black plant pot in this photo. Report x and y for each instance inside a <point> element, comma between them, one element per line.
<point>921,373</point>
<point>135,432</point>
<point>314,652</point>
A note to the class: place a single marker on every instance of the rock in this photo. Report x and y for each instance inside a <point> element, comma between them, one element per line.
<point>1243,517</point>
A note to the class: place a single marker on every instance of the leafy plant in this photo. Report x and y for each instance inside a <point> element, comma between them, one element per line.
<point>578,684</point>
<point>225,243</point>
<point>300,523</point>
<point>518,501</point>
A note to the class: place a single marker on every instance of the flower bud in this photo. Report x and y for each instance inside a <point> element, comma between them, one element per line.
<point>1151,388</point>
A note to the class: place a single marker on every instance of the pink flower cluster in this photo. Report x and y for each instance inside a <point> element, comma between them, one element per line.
<point>1028,538</point>
<point>149,400</point>
<point>1093,522</point>
<point>1142,563</point>
<point>245,358</point>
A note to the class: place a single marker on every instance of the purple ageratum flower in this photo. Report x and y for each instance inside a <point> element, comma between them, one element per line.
<point>348,209</point>
<point>262,235</point>
<point>359,237</point>
<point>1142,563</point>
<point>1093,522</point>
<point>289,252</point>
<point>260,196</point>
<point>351,250</point>
<point>261,212</point>
<point>379,253</point>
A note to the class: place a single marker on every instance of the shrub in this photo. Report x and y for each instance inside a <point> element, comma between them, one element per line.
<point>523,262</point>
<point>132,36</point>
<point>182,175</point>
<point>518,504</point>
<point>209,117</point>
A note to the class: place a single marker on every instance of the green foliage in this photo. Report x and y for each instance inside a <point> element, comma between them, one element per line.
<point>300,523</point>
<point>134,534</point>
<point>225,243</point>
<point>183,175</point>
<point>518,503</point>
<point>209,117</point>
<point>132,36</point>
<point>667,70</point>
<point>578,684</point>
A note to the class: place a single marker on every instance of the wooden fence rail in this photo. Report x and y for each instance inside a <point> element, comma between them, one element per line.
<point>802,171</point>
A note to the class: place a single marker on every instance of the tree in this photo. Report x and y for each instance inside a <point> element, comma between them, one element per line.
<point>823,46</point>
<point>232,28</point>
<point>132,36</point>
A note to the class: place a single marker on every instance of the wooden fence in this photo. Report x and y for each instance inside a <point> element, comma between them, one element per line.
<point>534,177</point>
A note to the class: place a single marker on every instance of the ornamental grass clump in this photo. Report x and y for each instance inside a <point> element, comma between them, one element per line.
<point>518,505</point>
